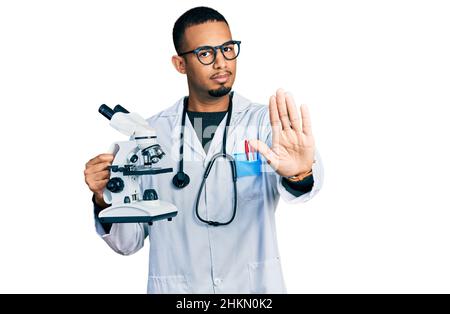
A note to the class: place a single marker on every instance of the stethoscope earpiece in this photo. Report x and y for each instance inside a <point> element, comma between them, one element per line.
<point>180,180</point>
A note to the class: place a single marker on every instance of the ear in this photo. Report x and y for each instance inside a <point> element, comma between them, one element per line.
<point>179,63</point>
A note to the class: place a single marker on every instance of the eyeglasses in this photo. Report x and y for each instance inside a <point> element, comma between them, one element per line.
<point>207,54</point>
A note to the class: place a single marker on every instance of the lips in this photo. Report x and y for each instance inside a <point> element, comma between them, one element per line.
<point>221,77</point>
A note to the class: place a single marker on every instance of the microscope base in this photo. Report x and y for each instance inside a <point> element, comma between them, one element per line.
<point>142,211</point>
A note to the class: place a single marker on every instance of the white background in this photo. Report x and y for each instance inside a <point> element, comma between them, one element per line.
<point>374,73</point>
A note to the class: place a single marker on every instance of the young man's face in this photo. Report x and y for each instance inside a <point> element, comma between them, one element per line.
<point>216,79</point>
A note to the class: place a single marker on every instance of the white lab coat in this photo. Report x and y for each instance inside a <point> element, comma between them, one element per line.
<point>188,256</point>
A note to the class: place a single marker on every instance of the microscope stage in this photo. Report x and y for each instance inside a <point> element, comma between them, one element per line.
<point>141,211</point>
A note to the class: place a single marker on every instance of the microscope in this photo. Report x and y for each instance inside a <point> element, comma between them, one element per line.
<point>132,159</point>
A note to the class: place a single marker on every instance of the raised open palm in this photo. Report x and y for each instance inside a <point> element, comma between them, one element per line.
<point>292,151</point>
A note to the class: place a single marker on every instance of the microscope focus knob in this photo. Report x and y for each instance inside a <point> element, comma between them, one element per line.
<point>115,185</point>
<point>150,195</point>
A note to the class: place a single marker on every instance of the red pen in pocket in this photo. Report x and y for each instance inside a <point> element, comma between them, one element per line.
<point>246,149</point>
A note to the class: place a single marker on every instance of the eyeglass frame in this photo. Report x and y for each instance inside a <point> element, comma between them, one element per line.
<point>221,47</point>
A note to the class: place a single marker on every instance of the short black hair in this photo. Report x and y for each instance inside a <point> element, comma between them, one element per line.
<point>194,16</point>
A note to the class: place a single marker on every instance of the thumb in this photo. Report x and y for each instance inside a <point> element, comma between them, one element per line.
<point>265,150</point>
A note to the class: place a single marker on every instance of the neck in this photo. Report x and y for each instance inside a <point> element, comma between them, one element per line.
<point>210,104</point>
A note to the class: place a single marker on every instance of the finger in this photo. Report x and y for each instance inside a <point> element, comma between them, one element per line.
<point>100,158</point>
<point>282,109</point>
<point>262,148</point>
<point>98,186</point>
<point>306,120</point>
<point>102,175</point>
<point>293,113</point>
<point>97,168</point>
<point>93,178</point>
<point>274,120</point>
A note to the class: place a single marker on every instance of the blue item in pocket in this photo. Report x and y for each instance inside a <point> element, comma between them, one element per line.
<point>245,167</point>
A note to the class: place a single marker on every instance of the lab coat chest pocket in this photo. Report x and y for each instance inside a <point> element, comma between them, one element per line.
<point>249,177</point>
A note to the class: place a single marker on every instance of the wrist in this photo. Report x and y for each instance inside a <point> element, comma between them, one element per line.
<point>300,176</point>
<point>98,200</point>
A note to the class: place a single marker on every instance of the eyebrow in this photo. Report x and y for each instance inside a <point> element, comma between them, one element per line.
<point>213,45</point>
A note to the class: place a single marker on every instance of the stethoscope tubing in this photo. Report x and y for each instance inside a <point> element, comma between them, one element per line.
<point>181,183</point>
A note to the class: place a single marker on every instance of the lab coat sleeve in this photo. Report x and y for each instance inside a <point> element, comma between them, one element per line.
<point>266,136</point>
<point>126,238</point>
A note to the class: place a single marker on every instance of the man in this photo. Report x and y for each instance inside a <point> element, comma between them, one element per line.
<point>209,247</point>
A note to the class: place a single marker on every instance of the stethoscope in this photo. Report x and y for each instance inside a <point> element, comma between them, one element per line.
<point>181,179</point>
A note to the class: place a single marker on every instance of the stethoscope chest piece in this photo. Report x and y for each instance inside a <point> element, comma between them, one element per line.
<point>181,180</point>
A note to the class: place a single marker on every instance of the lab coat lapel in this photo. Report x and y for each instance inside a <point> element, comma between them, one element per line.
<point>191,141</point>
<point>240,104</point>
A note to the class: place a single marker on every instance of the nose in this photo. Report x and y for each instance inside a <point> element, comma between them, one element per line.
<point>220,62</point>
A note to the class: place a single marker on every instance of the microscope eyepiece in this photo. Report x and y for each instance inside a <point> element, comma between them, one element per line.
<point>119,108</point>
<point>106,111</point>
